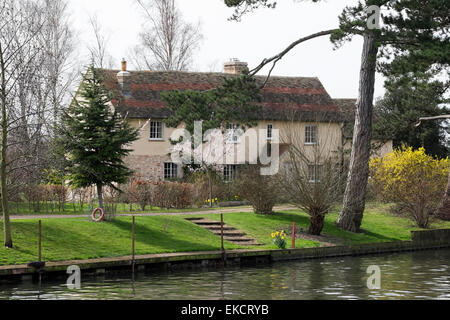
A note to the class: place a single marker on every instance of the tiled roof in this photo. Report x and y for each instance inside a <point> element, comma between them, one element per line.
<point>348,109</point>
<point>305,95</point>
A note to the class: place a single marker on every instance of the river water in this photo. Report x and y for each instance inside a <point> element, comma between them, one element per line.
<point>417,275</point>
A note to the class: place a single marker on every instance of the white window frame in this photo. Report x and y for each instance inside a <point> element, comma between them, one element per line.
<point>309,136</point>
<point>318,173</point>
<point>229,172</point>
<point>162,131</point>
<point>173,171</point>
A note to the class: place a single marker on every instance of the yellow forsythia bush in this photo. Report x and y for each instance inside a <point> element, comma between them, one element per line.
<point>411,179</point>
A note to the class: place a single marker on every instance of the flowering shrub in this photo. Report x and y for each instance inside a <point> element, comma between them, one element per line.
<point>279,239</point>
<point>213,201</point>
<point>412,180</point>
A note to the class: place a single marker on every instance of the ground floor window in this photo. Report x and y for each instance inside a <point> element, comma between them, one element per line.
<point>170,171</point>
<point>229,172</point>
<point>315,173</point>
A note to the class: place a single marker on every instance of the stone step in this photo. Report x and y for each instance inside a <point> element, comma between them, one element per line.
<point>208,223</point>
<point>229,233</point>
<point>218,228</point>
<point>237,239</point>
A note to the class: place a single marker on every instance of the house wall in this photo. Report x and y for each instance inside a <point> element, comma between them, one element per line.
<point>379,148</point>
<point>148,157</point>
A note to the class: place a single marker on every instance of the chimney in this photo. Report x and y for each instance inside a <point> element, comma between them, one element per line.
<point>234,66</point>
<point>123,77</point>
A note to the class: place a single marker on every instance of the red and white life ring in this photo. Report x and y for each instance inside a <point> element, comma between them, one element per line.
<point>102,215</point>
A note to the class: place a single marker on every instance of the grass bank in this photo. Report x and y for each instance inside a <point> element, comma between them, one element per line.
<point>71,239</point>
<point>25,209</point>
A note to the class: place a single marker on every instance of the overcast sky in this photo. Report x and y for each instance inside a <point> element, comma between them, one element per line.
<point>260,34</point>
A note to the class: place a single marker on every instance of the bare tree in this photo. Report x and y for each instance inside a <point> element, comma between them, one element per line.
<point>20,23</point>
<point>99,49</point>
<point>311,178</point>
<point>168,43</point>
<point>34,48</point>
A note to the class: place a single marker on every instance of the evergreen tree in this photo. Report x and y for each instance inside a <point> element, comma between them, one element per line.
<point>94,138</point>
<point>407,99</point>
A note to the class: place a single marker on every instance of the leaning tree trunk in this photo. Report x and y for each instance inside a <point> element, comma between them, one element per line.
<point>4,144</point>
<point>443,212</point>
<point>353,207</point>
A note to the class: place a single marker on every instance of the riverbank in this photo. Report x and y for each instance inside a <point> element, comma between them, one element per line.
<point>421,240</point>
<point>80,239</point>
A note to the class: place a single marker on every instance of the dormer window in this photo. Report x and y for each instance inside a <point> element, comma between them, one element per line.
<point>156,130</point>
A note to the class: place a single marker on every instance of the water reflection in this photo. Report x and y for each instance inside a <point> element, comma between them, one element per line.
<point>419,275</point>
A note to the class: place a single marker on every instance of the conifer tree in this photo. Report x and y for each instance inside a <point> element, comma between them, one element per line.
<point>94,138</point>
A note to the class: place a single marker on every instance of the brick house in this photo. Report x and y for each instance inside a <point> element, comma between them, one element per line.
<point>137,95</point>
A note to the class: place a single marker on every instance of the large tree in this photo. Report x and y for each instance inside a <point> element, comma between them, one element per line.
<point>94,138</point>
<point>408,99</point>
<point>414,36</point>
<point>35,46</point>
<point>168,42</point>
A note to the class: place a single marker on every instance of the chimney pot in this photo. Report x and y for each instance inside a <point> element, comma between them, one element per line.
<point>124,65</point>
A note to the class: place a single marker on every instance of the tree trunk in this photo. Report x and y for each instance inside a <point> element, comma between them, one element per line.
<point>443,212</point>
<point>100,196</point>
<point>3,187</point>
<point>316,223</point>
<point>350,218</point>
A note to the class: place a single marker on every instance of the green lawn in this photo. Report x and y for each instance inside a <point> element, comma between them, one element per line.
<point>69,239</point>
<point>378,225</point>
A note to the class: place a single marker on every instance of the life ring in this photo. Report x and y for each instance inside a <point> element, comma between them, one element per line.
<point>101,216</point>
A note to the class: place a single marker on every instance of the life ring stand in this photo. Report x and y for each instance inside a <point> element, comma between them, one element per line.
<point>101,216</point>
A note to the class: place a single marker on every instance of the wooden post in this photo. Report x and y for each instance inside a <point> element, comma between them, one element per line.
<point>293,235</point>
<point>221,238</point>
<point>40,240</point>
<point>221,231</point>
<point>132,245</point>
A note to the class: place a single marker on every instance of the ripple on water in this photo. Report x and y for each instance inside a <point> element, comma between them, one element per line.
<point>417,275</point>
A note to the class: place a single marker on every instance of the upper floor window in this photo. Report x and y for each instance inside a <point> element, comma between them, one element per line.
<point>311,134</point>
<point>269,131</point>
<point>170,171</point>
<point>233,133</point>
<point>156,130</point>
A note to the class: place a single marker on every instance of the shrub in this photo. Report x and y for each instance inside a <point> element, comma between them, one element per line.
<point>261,191</point>
<point>111,198</point>
<point>412,180</point>
<point>175,195</point>
<point>140,191</point>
